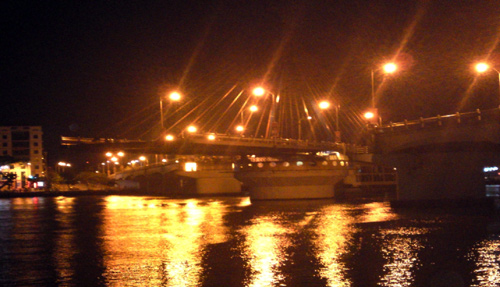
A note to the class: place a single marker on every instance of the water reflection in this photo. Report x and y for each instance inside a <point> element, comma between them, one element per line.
<point>266,241</point>
<point>64,248</point>
<point>400,248</point>
<point>141,241</point>
<point>487,257</point>
<point>160,242</point>
<point>334,233</point>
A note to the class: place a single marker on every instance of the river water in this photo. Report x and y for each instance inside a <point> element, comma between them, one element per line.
<point>155,241</point>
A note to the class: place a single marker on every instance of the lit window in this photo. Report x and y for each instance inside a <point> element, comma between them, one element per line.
<point>285,164</point>
<point>190,166</point>
<point>299,163</point>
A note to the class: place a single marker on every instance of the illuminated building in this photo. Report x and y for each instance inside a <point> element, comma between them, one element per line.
<point>23,144</point>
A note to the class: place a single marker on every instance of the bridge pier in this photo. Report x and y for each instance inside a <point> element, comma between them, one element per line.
<point>440,176</point>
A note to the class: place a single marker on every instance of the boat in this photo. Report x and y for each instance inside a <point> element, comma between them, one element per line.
<point>292,176</point>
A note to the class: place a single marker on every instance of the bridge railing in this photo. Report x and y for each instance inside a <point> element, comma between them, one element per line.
<point>280,142</point>
<point>439,120</point>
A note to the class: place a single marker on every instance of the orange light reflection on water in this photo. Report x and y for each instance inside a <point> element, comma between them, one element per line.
<point>159,242</point>
<point>64,249</point>
<point>334,232</point>
<point>400,249</point>
<point>487,258</point>
<point>264,249</point>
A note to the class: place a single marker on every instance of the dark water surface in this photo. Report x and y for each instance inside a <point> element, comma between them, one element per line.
<point>148,241</point>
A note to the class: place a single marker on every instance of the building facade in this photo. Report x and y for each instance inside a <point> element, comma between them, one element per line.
<point>24,144</point>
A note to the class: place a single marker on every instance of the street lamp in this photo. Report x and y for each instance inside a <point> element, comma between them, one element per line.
<point>191,129</point>
<point>253,108</point>
<point>272,124</point>
<point>173,97</point>
<point>323,105</point>
<point>484,67</point>
<point>387,68</point>
<point>240,129</point>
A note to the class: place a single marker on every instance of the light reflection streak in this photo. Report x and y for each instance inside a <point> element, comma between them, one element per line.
<point>160,242</point>
<point>400,249</point>
<point>377,212</point>
<point>264,250</point>
<point>487,258</point>
<point>334,232</point>
<point>64,249</point>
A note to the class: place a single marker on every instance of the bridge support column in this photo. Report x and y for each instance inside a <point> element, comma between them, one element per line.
<point>441,176</point>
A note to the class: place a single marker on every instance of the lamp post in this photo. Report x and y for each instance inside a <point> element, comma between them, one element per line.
<point>272,125</point>
<point>483,67</point>
<point>323,105</point>
<point>387,68</point>
<point>173,97</point>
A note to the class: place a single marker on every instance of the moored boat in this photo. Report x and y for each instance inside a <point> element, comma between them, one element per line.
<point>292,177</point>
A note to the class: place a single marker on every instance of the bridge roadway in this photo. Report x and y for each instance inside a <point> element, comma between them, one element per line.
<point>440,158</point>
<point>203,144</point>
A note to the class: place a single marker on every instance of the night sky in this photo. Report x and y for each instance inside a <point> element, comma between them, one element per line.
<point>98,68</point>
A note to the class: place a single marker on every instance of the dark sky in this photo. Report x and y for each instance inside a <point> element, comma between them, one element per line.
<point>98,68</point>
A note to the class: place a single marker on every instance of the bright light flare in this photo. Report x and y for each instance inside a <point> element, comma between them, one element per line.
<point>121,154</point>
<point>369,115</point>
<point>324,105</point>
<point>114,159</point>
<point>390,68</point>
<point>192,129</point>
<point>240,128</point>
<point>175,96</point>
<point>211,137</point>
<point>109,154</point>
<point>482,67</point>
<point>253,108</point>
<point>259,91</point>
<point>169,138</point>
<point>142,158</point>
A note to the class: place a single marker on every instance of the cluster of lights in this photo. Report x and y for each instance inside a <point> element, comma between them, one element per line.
<point>490,168</point>
<point>66,164</point>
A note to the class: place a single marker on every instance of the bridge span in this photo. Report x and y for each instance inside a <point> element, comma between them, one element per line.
<point>442,157</point>
<point>208,144</point>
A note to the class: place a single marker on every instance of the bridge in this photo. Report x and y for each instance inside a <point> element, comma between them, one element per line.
<point>437,158</point>
<point>208,144</point>
<point>442,157</point>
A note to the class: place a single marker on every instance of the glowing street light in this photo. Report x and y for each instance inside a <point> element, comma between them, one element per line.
<point>120,154</point>
<point>109,154</point>
<point>323,105</point>
<point>211,137</point>
<point>191,129</point>
<point>173,97</point>
<point>240,128</point>
<point>388,68</point>
<point>258,91</point>
<point>169,138</point>
<point>484,67</point>
<point>369,115</point>
<point>253,108</point>
<point>272,126</point>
